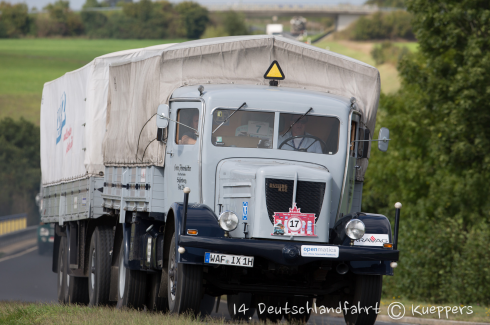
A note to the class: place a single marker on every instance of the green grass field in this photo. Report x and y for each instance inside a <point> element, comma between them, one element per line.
<point>26,64</point>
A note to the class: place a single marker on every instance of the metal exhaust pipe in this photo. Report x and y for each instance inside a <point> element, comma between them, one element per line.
<point>342,268</point>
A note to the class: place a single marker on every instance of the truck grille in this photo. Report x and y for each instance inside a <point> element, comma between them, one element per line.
<point>279,196</point>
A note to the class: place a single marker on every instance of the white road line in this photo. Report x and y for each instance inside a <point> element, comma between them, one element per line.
<point>18,254</point>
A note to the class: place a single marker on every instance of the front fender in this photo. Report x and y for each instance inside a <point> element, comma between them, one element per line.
<point>199,217</point>
<point>375,224</point>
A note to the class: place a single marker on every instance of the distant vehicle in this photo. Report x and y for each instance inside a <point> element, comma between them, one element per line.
<point>179,173</point>
<point>298,25</point>
<point>45,232</point>
<point>274,29</point>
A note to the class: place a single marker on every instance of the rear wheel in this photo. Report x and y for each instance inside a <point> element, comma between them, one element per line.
<point>131,285</point>
<point>184,284</point>
<point>153,301</point>
<point>100,265</point>
<point>303,315</point>
<point>240,306</point>
<point>367,296</point>
<point>207,305</point>
<point>263,312</point>
<point>62,271</point>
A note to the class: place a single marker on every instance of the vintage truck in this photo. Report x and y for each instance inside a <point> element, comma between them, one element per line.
<point>180,173</point>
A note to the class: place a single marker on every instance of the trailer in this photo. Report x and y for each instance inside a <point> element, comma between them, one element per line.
<point>234,166</point>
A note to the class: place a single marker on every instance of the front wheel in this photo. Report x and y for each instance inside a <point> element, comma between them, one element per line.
<point>366,298</point>
<point>184,284</point>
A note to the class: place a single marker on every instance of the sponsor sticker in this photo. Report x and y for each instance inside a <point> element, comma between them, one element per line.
<point>245,211</point>
<point>372,240</point>
<point>84,201</point>
<point>320,251</point>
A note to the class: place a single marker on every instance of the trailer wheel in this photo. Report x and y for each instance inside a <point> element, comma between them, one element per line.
<point>100,265</point>
<point>77,289</point>
<point>131,285</point>
<point>367,294</point>
<point>269,301</point>
<point>235,309</point>
<point>62,271</point>
<point>184,284</point>
<point>303,315</point>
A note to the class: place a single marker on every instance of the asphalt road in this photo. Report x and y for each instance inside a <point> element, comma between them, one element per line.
<point>28,278</point>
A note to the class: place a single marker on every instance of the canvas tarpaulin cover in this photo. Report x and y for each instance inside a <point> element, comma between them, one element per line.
<point>73,118</point>
<point>134,95</point>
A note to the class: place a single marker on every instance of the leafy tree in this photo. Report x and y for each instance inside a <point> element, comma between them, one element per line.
<point>234,23</point>
<point>60,21</point>
<point>439,162</point>
<point>194,18</point>
<point>20,172</point>
<point>14,19</point>
<point>393,25</point>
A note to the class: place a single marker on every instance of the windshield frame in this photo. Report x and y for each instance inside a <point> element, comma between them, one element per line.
<point>277,113</point>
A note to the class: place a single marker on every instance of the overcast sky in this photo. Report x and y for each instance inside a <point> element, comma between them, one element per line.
<point>77,4</point>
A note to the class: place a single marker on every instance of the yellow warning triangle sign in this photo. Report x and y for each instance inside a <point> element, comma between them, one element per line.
<point>274,72</point>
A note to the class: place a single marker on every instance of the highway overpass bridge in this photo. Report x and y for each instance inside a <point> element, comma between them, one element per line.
<point>343,14</point>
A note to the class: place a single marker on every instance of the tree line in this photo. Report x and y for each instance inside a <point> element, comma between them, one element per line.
<point>143,19</point>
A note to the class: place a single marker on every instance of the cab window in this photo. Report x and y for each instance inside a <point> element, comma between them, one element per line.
<point>314,134</point>
<point>184,135</point>
<point>245,129</point>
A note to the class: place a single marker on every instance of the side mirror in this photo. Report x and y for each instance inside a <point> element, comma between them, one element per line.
<point>383,139</point>
<point>163,110</point>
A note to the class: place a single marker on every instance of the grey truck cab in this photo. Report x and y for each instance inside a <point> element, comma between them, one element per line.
<point>230,166</point>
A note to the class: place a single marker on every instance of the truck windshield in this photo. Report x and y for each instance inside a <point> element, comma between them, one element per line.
<point>315,134</point>
<point>245,129</point>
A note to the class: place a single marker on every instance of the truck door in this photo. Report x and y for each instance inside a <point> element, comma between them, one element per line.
<point>183,148</point>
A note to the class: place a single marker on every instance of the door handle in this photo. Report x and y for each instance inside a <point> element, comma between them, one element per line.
<point>170,153</point>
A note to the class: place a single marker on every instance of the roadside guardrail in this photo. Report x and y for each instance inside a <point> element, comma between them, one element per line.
<point>13,223</point>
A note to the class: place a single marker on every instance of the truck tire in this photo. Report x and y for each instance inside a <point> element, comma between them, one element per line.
<point>207,305</point>
<point>235,303</point>
<point>184,284</point>
<point>153,301</point>
<point>131,286</point>
<point>367,294</point>
<point>299,318</point>
<point>100,265</point>
<point>62,271</point>
<point>269,301</point>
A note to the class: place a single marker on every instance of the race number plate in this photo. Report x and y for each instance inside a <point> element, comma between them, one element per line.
<point>225,259</point>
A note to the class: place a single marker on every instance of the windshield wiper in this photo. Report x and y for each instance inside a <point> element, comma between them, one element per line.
<point>299,118</point>
<point>239,108</point>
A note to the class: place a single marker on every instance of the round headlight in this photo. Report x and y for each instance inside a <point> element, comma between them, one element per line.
<point>228,221</point>
<point>355,229</point>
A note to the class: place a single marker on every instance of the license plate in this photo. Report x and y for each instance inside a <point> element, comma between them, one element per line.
<point>225,259</point>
